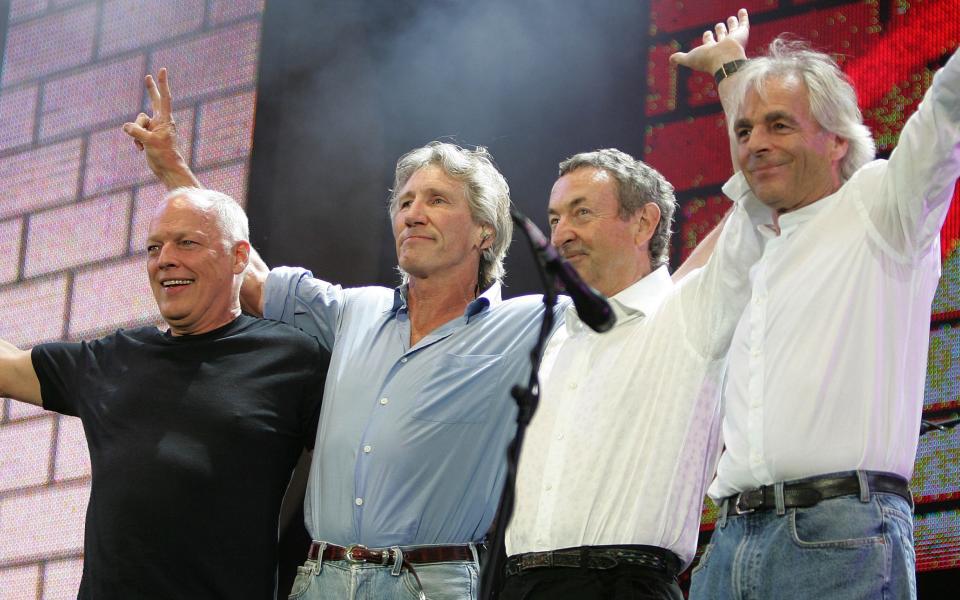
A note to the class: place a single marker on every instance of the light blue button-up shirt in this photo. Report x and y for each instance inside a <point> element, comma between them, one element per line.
<point>412,440</point>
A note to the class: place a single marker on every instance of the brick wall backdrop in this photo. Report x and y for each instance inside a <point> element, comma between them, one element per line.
<point>75,200</point>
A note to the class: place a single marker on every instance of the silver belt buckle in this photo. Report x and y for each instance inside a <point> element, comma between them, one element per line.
<point>740,510</point>
<point>348,553</point>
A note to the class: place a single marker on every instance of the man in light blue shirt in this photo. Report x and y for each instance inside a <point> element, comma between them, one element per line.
<point>417,413</point>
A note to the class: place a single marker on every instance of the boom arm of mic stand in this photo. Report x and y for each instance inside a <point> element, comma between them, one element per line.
<point>527,399</point>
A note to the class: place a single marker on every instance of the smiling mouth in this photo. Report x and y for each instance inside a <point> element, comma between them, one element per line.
<point>175,283</point>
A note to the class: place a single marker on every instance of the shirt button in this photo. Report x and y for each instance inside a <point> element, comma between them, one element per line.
<point>549,487</point>
<point>559,436</point>
<point>383,401</point>
<point>572,385</point>
<point>358,501</point>
<point>367,449</point>
<point>404,359</point>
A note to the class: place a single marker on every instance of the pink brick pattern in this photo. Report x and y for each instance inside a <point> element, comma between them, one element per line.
<point>129,24</point>
<point>44,522</point>
<point>39,178</point>
<point>225,129</point>
<point>73,458</point>
<point>17,108</point>
<point>25,461</point>
<point>144,205</point>
<point>61,579</point>
<point>33,312</point>
<point>18,411</point>
<point>77,234</point>
<point>42,46</point>
<point>108,297</point>
<point>114,162</point>
<point>222,60</point>
<point>20,582</point>
<point>22,9</point>
<point>113,90</point>
<point>9,249</point>
<point>231,180</point>
<point>222,11</point>
<point>75,199</point>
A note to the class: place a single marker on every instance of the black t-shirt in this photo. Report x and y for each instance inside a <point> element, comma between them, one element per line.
<point>192,442</point>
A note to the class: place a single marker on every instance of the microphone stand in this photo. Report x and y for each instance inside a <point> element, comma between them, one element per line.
<point>491,572</point>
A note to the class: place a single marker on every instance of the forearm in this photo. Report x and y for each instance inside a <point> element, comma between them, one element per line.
<point>254,280</point>
<point>176,173</point>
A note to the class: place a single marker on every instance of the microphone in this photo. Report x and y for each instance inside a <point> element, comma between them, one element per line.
<point>591,305</point>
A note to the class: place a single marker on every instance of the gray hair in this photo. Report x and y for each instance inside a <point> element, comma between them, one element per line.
<point>230,218</point>
<point>487,193</point>
<point>637,184</point>
<point>833,101</point>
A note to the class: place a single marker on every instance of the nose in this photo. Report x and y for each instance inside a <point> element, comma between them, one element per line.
<point>562,233</point>
<point>414,214</point>
<point>758,141</point>
<point>167,257</point>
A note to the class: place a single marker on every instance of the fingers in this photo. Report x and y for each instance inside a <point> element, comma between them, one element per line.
<point>166,99</point>
<point>708,38</point>
<point>744,17</point>
<point>721,31</point>
<point>677,58</point>
<point>138,133</point>
<point>732,23</point>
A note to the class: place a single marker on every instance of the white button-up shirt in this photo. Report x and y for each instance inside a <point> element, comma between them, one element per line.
<point>625,438</point>
<point>826,369</point>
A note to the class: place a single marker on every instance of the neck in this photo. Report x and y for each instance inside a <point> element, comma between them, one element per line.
<point>431,302</point>
<point>178,329</point>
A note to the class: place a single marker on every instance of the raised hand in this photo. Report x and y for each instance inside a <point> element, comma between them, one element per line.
<point>725,43</point>
<point>157,135</point>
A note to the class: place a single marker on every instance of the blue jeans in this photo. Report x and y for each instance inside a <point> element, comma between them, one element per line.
<point>842,548</point>
<point>343,580</point>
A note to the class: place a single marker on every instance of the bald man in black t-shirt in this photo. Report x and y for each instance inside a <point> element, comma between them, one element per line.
<point>193,432</point>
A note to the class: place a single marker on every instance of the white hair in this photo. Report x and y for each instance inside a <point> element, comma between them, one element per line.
<point>229,216</point>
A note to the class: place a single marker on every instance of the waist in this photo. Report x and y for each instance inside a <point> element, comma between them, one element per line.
<point>804,493</point>
<point>597,557</point>
<point>358,553</point>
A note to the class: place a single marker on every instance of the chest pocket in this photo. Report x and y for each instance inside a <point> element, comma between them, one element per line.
<point>460,389</point>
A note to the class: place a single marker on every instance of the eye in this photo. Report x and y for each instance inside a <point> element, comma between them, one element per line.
<point>403,204</point>
<point>553,221</point>
<point>187,243</point>
<point>153,249</point>
<point>582,212</point>
<point>438,200</point>
<point>742,133</point>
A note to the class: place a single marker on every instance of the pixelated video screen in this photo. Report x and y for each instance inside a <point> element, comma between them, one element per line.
<point>890,50</point>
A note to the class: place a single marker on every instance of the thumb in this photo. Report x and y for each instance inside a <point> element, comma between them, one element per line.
<point>678,58</point>
<point>136,132</point>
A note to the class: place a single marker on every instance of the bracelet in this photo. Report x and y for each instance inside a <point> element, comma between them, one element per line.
<point>728,69</point>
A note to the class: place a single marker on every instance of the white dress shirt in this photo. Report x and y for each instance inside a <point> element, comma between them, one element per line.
<point>626,435</point>
<point>827,366</point>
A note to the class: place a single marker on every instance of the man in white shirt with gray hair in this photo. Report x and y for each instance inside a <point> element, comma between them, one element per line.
<point>824,388</point>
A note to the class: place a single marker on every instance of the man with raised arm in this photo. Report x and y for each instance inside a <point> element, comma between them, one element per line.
<point>417,414</point>
<point>618,456</point>
<point>193,432</point>
<point>825,383</point>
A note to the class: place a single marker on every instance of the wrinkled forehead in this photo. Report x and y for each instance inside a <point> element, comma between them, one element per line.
<point>182,214</point>
<point>774,91</point>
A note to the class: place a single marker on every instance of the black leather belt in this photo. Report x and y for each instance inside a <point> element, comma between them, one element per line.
<point>808,492</point>
<point>597,557</point>
<point>357,553</point>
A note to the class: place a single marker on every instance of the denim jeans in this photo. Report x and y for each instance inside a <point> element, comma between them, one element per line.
<point>343,580</point>
<point>842,548</point>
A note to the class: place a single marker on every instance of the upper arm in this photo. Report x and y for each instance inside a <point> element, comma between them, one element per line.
<point>18,379</point>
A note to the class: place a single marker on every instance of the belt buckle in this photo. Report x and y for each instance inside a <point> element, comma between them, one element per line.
<point>738,509</point>
<point>348,553</point>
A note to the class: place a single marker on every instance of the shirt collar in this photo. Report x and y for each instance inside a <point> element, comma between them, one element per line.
<point>638,300</point>
<point>490,298</point>
<point>737,189</point>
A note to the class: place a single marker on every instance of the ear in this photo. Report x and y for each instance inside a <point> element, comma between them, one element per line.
<point>646,219</point>
<point>487,238</point>
<point>241,257</point>
<point>838,148</point>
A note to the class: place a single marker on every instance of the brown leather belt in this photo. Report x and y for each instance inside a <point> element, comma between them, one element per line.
<point>357,553</point>
<point>809,492</point>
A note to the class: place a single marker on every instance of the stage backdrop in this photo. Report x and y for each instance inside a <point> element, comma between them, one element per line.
<point>535,80</point>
